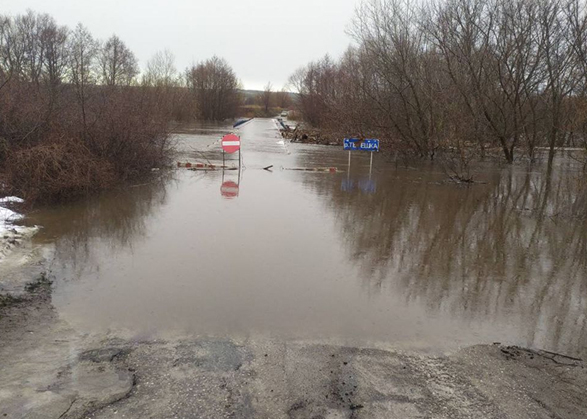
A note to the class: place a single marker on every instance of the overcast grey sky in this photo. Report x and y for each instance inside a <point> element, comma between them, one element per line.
<point>263,40</point>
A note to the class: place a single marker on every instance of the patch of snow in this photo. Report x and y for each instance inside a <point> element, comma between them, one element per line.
<point>9,199</point>
<point>8,216</point>
<point>12,235</point>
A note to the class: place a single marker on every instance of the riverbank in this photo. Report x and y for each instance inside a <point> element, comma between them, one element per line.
<point>301,134</point>
<point>450,157</point>
<point>52,371</point>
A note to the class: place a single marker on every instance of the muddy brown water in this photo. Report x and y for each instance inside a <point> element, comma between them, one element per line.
<point>396,257</point>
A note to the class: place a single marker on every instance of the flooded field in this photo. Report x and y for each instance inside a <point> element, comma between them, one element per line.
<point>395,258</point>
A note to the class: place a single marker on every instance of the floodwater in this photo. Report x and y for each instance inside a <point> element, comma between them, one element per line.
<point>397,257</point>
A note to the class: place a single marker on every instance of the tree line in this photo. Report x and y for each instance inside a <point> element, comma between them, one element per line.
<point>78,115</point>
<point>457,76</point>
<point>266,102</point>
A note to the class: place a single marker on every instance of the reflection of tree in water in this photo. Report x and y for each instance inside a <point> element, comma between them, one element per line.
<point>517,245</point>
<point>116,219</point>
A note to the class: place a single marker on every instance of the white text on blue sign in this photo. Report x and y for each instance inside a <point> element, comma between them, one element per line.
<point>369,144</point>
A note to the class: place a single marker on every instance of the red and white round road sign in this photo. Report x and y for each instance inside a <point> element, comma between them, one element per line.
<point>231,143</point>
<point>229,189</point>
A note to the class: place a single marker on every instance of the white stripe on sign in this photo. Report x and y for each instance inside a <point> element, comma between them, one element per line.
<point>230,189</point>
<point>231,143</point>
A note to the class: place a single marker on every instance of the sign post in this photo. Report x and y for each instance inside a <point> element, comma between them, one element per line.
<point>349,165</point>
<point>369,144</point>
<point>231,143</point>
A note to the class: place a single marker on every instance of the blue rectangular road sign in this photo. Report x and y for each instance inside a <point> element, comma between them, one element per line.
<point>369,144</point>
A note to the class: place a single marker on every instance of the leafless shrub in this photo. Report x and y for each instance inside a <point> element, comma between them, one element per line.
<point>57,171</point>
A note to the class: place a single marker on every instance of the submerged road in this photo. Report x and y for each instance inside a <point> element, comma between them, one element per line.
<point>52,371</point>
<point>178,301</point>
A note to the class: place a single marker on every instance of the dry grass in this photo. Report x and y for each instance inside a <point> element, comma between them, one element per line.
<point>57,171</point>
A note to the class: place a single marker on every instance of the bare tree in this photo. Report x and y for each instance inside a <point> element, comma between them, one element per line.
<point>161,70</point>
<point>267,96</point>
<point>559,66</point>
<point>28,27</point>
<point>402,82</point>
<point>6,68</point>
<point>215,88</point>
<point>577,19</point>
<point>12,50</point>
<point>283,99</point>
<point>118,64</point>
<point>56,54</point>
<point>315,85</point>
<point>83,49</point>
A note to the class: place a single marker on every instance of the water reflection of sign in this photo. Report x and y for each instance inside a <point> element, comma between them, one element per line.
<point>369,144</point>
<point>347,185</point>
<point>229,189</point>
<point>368,186</point>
